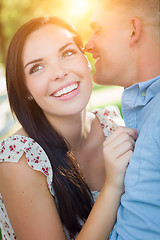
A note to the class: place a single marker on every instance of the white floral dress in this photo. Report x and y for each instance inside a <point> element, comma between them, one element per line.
<point>12,149</point>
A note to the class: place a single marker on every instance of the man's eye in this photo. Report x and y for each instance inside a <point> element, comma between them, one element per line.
<point>97,31</point>
<point>69,52</point>
<point>35,68</point>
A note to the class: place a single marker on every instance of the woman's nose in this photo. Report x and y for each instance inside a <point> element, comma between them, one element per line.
<point>58,72</point>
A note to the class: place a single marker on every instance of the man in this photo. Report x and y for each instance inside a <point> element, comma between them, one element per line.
<point>126,44</point>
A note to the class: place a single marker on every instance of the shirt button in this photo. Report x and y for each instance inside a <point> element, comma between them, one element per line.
<point>144,94</point>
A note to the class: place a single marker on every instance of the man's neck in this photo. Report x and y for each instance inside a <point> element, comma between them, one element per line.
<point>149,64</point>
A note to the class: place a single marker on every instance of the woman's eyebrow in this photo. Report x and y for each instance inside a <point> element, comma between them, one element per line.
<point>40,59</point>
<point>34,61</point>
<point>66,45</point>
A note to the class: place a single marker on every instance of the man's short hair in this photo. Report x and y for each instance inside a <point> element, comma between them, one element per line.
<point>143,8</point>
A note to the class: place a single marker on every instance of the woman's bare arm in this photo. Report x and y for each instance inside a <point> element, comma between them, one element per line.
<point>32,209</point>
<point>29,204</point>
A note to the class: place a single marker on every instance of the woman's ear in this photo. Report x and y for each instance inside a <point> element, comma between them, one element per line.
<point>136,30</point>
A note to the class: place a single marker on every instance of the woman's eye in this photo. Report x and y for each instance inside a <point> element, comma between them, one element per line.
<point>69,52</point>
<point>35,68</point>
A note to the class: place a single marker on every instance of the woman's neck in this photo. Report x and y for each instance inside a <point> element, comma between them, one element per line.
<point>75,129</point>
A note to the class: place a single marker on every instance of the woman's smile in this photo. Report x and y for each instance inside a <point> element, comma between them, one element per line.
<point>67,92</point>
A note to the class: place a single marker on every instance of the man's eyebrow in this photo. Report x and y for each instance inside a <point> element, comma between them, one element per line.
<point>94,25</point>
<point>40,59</point>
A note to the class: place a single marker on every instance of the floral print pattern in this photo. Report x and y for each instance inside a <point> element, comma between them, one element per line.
<point>12,149</point>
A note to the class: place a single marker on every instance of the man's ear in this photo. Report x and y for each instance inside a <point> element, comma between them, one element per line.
<point>136,30</point>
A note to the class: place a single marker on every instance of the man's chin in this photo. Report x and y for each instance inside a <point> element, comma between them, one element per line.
<point>98,79</point>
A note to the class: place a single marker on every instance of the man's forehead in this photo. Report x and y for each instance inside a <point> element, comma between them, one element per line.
<point>96,15</point>
<point>100,15</point>
<point>104,14</point>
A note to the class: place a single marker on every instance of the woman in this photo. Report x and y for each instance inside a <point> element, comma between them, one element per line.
<point>49,85</point>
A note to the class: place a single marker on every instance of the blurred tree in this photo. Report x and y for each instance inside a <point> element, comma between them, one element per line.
<point>2,37</point>
<point>14,13</point>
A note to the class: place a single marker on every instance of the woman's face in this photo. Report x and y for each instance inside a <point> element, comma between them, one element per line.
<point>56,72</point>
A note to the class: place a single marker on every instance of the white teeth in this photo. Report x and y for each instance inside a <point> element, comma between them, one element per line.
<point>97,58</point>
<point>66,90</point>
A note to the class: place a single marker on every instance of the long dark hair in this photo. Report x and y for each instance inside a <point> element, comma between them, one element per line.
<point>73,196</point>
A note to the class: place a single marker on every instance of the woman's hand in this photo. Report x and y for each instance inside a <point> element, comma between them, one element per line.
<point>118,149</point>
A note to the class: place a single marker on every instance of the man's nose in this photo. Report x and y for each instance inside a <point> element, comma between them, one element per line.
<point>89,47</point>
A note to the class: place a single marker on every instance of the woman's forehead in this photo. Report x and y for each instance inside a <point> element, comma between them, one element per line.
<point>50,30</point>
<point>46,39</point>
<point>48,34</point>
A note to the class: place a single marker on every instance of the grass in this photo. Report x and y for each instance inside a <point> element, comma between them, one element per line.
<point>97,87</point>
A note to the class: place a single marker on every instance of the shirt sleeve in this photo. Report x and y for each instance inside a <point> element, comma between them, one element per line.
<point>110,118</point>
<point>12,149</point>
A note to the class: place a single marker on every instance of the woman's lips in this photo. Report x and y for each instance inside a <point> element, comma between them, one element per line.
<point>67,92</point>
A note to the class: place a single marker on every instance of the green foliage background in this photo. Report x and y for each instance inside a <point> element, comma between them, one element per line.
<point>14,13</point>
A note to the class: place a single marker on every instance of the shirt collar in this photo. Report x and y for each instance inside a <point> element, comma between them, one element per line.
<point>141,93</point>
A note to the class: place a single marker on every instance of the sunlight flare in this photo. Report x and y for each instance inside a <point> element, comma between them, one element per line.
<point>79,7</point>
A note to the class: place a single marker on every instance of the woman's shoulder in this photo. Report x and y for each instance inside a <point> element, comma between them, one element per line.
<point>109,117</point>
<point>13,148</point>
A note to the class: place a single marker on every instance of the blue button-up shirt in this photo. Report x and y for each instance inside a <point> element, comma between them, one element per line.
<point>138,217</point>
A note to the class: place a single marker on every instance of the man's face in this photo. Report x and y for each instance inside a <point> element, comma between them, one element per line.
<point>109,44</point>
